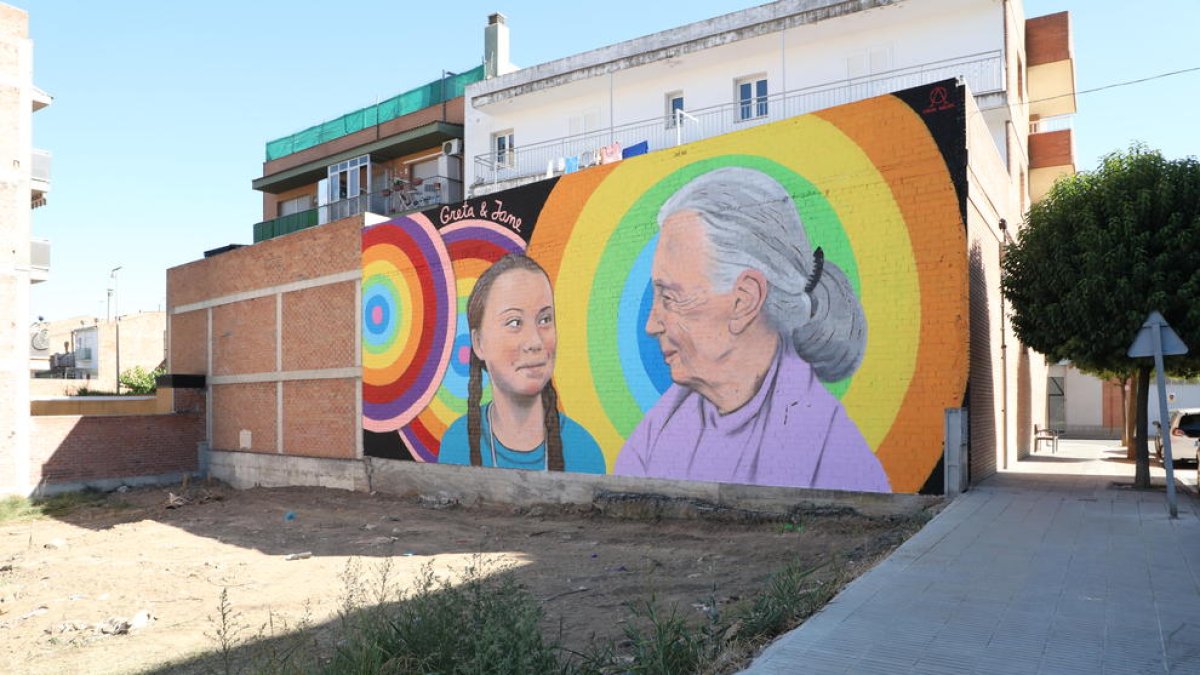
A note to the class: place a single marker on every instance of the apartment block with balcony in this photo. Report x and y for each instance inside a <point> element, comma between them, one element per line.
<point>24,183</point>
<point>745,68</point>
<point>792,57</point>
<point>397,156</point>
<point>1051,77</point>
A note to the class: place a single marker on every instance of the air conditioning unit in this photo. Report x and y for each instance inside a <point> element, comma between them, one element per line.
<point>452,147</point>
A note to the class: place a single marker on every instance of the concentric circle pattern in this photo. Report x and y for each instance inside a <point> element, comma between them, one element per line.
<point>408,319</point>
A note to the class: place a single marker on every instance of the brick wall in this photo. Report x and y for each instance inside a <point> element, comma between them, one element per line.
<point>244,407</point>
<point>83,449</point>
<point>188,353</point>
<point>319,327</point>
<point>995,386</point>
<point>1050,148</point>
<point>1047,38</point>
<point>311,253</point>
<point>284,344</point>
<point>243,337</point>
<point>320,419</point>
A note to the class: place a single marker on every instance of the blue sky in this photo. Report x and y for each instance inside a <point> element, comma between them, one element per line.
<point>162,110</point>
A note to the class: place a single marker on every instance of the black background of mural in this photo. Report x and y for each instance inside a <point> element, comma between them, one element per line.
<point>387,445</point>
<point>946,119</point>
<point>936,483</point>
<point>523,204</point>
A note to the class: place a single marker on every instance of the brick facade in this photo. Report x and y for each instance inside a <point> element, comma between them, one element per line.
<point>319,327</point>
<point>243,337</point>
<point>284,342</point>
<point>310,254</point>
<point>1048,38</point>
<point>1050,148</point>
<point>244,407</point>
<point>187,353</point>
<point>320,419</point>
<point>79,449</point>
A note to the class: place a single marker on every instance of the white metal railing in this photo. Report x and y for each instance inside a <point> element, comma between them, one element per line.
<point>39,253</point>
<point>404,196</point>
<point>41,165</point>
<point>983,73</point>
<point>1059,123</point>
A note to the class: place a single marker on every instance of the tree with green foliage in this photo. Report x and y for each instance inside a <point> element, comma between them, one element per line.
<point>139,381</point>
<point>1101,251</point>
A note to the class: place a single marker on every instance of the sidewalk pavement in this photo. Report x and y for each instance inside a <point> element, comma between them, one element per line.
<point>1051,567</point>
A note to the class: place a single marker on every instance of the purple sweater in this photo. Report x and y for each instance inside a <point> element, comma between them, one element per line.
<point>792,433</point>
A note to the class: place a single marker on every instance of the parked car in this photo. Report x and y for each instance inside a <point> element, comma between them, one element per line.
<point>1185,436</point>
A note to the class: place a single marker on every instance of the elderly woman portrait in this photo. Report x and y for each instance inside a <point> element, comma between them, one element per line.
<point>751,319</point>
<point>510,314</point>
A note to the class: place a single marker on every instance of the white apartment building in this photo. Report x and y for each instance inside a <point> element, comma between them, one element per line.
<point>792,57</point>
<point>24,182</point>
<point>761,65</point>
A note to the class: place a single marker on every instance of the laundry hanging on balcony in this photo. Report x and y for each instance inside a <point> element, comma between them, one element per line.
<point>635,150</point>
<point>610,153</point>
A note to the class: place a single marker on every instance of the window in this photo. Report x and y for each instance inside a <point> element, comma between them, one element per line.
<point>869,61</point>
<point>674,103</point>
<point>344,189</point>
<point>502,145</point>
<point>752,98</point>
<point>585,122</point>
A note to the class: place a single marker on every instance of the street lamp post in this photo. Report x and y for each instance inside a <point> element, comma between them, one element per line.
<point>116,312</point>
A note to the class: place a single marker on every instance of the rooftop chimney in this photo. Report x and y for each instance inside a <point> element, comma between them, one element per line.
<point>495,47</point>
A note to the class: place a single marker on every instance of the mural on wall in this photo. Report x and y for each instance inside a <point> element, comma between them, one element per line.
<point>782,305</point>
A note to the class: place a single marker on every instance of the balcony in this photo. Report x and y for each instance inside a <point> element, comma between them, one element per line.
<point>39,260</point>
<point>40,99</point>
<point>402,198</point>
<point>983,73</point>
<point>39,177</point>
<point>1051,156</point>
<point>1051,69</point>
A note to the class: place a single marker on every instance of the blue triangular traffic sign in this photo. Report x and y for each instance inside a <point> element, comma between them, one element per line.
<point>1143,344</point>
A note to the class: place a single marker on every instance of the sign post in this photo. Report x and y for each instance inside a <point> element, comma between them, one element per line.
<point>1156,338</point>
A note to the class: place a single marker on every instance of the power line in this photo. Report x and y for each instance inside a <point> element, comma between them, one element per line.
<point>1140,80</point>
<point>1114,85</point>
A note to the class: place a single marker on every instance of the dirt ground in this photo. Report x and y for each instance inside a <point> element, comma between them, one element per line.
<point>76,591</point>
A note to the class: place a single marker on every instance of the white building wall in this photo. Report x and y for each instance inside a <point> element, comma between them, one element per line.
<point>1180,394</point>
<point>1083,399</point>
<point>16,112</point>
<point>623,89</point>
<point>997,440</point>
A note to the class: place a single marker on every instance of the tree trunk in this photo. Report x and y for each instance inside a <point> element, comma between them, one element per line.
<point>1129,407</point>
<point>1141,479</point>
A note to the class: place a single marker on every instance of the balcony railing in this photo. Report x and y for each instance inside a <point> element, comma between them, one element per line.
<point>403,197</point>
<point>39,260</point>
<point>41,166</point>
<point>983,73</point>
<point>1047,124</point>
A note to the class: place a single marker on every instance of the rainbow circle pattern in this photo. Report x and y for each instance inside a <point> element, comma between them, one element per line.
<point>473,245</point>
<point>407,319</point>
